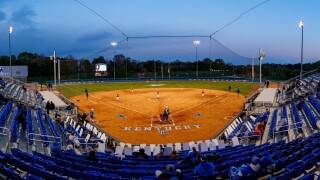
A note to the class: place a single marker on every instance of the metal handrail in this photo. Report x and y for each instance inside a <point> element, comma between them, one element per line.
<point>34,139</point>
<point>248,137</point>
<point>294,125</point>
<point>3,129</point>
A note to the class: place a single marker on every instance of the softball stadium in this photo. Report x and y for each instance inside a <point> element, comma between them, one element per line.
<point>155,102</point>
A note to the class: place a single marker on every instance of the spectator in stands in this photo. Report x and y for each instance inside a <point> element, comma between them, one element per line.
<point>49,86</point>
<point>245,169</point>
<point>204,167</point>
<point>92,114</point>
<point>141,154</point>
<point>256,132</point>
<point>24,88</point>
<point>161,154</point>
<point>267,162</point>
<point>48,107</point>
<point>113,158</point>
<point>92,156</point>
<point>174,154</point>
<point>186,160</point>
<point>261,127</point>
<point>74,139</point>
<point>223,137</point>
<point>195,156</point>
<point>169,173</point>
<point>55,149</point>
<point>214,157</point>
<point>70,150</point>
<point>22,119</point>
<point>52,106</point>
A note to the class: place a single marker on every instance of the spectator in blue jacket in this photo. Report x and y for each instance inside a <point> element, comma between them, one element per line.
<point>245,169</point>
<point>169,173</point>
<point>267,162</point>
<point>204,167</point>
<point>55,149</point>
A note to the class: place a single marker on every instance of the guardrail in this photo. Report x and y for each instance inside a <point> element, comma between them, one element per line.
<point>6,132</point>
<point>107,135</point>
<point>245,139</point>
<point>303,75</point>
<point>293,126</point>
<point>44,141</point>
<point>222,130</point>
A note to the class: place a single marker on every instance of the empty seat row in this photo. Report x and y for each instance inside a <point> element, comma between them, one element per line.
<point>273,123</point>
<point>310,114</point>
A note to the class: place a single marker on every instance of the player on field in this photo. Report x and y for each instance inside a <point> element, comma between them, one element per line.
<point>117,97</point>
<point>202,93</point>
<point>158,94</point>
<point>86,93</point>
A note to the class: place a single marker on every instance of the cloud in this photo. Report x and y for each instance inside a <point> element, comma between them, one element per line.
<point>24,16</point>
<point>94,36</point>
<point>2,16</point>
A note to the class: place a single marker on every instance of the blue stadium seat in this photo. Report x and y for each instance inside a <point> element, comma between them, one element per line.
<point>296,169</point>
<point>125,173</point>
<point>94,175</point>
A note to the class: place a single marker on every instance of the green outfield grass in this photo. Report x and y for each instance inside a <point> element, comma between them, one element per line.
<point>77,89</point>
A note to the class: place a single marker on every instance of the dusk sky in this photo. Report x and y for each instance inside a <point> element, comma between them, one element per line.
<point>42,26</point>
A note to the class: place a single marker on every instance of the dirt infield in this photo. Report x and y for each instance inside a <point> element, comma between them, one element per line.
<point>134,118</point>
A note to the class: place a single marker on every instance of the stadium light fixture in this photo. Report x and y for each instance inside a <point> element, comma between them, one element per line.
<point>54,59</point>
<point>261,56</point>
<point>10,31</point>
<point>114,44</point>
<point>301,26</point>
<point>196,43</point>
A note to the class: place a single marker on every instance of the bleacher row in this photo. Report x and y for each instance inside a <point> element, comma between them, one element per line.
<point>292,160</point>
<point>17,94</point>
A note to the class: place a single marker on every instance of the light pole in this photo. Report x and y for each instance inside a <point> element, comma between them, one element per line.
<point>54,59</point>
<point>10,31</point>
<point>114,44</point>
<point>261,55</point>
<point>301,26</point>
<point>196,43</point>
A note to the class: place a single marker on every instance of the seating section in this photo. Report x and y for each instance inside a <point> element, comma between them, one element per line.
<point>294,158</point>
<point>30,128</point>
<point>285,116</point>
<point>42,126</point>
<point>273,123</point>
<point>4,113</point>
<point>315,103</point>
<point>296,116</point>
<point>14,129</point>
<point>310,115</point>
<point>52,126</point>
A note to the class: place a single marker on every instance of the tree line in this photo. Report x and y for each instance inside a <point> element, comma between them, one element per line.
<point>40,68</point>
